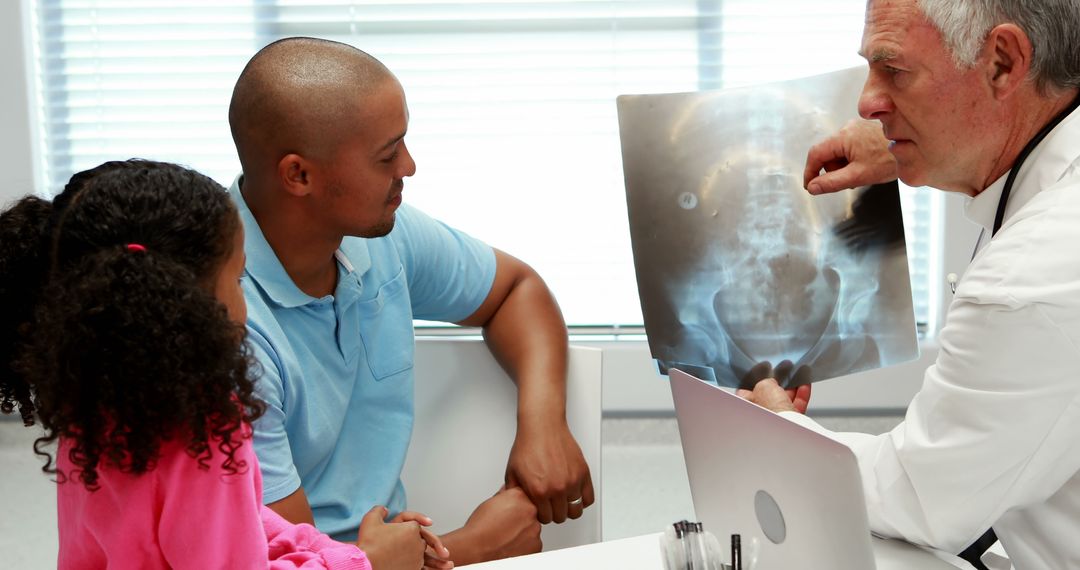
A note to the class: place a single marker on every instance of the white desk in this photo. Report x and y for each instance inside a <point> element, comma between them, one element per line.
<point>643,553</point>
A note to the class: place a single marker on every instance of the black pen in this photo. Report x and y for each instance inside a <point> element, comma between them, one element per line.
<point>681,531</point>
<point>736,552</point>
<point>700,556</point>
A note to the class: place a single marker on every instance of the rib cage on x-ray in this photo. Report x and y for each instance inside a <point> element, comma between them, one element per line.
<point>741,273</point>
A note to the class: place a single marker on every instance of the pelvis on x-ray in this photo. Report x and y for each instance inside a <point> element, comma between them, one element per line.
<point>741,273</point>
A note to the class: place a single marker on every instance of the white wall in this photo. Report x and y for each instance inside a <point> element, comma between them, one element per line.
<point>16,150</point>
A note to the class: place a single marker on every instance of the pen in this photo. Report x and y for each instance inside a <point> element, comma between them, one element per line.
<point>700,556</point>
<point>687,548</point>
<point>680,535</point>
<point>736,552</point>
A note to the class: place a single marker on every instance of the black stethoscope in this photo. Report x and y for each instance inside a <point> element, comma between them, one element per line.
<point>999,217</point>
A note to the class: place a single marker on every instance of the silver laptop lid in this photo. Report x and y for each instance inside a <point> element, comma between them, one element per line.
<point>793,495</point>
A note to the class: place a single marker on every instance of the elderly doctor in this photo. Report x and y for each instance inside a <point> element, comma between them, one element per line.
<point>979,97</point>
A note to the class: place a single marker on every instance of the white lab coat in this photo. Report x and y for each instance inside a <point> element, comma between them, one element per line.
<point>993,436</point>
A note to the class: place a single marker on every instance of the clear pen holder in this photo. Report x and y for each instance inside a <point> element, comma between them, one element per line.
<point>686,546</point>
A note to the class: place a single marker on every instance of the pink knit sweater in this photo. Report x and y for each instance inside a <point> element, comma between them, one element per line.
<point>181,516</point>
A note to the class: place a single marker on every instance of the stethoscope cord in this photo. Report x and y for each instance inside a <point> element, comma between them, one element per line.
<point>1034,142</point>
<point>1003,201</point>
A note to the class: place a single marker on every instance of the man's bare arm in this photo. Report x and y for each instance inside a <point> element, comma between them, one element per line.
<point>294,508</point>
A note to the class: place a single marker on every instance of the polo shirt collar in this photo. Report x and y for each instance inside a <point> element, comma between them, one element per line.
<point>353,260</point>
<point>262,264</point>
<point>354,256</point>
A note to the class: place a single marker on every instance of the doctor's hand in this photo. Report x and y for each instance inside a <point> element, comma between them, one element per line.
<point>768,394</point>
<point>856,155</point>
<point>548,465</point>
<point>503,526</point>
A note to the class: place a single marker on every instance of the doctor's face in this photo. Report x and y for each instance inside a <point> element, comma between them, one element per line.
<point>933,112</point>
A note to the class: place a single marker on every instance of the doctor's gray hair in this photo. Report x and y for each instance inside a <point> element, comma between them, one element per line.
<point>1052,26</point>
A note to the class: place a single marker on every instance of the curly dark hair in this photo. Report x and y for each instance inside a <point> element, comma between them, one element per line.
<point>117,350</point>
<point>21,277</point>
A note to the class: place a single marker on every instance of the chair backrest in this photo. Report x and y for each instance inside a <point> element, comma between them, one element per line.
<point>466,419</point>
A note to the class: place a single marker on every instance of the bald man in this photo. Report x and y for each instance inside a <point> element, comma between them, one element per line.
<point>338,268</point>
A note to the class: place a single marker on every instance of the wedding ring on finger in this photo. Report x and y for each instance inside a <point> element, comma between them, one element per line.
<point>575,502</point>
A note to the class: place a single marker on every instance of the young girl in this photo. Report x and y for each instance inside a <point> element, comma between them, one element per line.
<point>123,336</point>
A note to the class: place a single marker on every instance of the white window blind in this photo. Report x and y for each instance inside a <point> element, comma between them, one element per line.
<point>513,120</point>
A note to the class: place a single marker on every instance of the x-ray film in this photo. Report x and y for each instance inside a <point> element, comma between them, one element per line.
<point>741,273</point>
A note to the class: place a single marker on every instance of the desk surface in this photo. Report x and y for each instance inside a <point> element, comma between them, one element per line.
<point>643,553</point>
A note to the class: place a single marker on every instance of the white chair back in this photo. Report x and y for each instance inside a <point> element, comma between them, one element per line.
<point>466,419</point>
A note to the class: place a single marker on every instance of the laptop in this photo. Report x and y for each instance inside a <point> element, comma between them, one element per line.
<point>793,495</point>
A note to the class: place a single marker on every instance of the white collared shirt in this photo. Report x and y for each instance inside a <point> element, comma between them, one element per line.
<point>993,436</point>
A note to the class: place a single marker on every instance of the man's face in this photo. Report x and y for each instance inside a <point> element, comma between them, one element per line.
<point>933,113</point>
<point>365,176</point>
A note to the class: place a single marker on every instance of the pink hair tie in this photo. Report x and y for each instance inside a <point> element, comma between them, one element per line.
<point>136,247</point>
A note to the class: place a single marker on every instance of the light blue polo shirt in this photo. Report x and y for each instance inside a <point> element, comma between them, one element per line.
<point>337,372</point>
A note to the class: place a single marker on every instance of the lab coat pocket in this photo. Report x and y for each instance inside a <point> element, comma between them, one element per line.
<point>386,329</point>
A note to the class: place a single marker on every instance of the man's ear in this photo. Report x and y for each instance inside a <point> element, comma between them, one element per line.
<point>1007,53</point>
<point>294,171</point>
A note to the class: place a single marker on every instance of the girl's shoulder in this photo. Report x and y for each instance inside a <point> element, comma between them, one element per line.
<point>228,460</point>
<point>231,462</point>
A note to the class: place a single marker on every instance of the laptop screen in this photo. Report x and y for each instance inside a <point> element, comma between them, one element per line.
<point>794,496</point>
